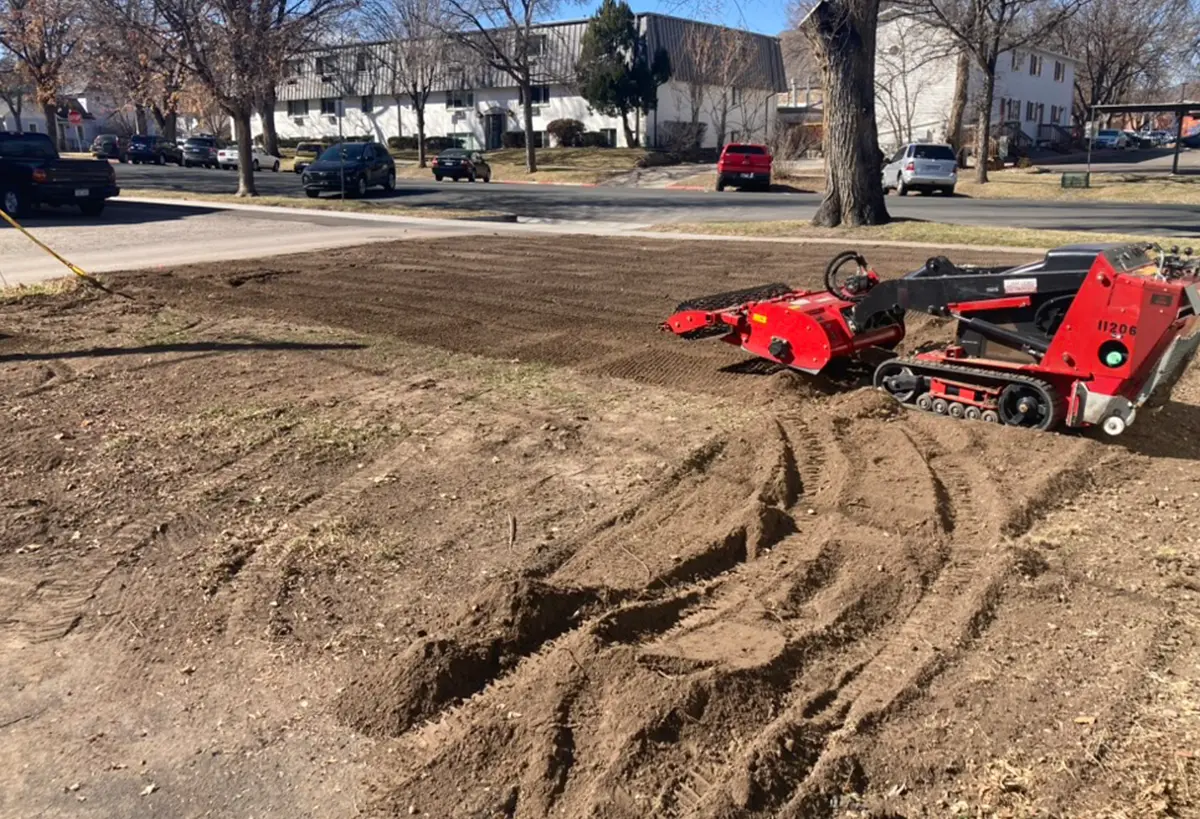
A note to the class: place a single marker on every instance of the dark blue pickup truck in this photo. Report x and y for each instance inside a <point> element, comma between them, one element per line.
<point>33,174</point>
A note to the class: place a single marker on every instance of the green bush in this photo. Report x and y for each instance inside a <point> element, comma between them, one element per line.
<point>568,133</point>
<point>403,143</point>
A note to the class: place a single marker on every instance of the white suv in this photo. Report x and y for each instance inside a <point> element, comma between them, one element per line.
<point>921,166</point>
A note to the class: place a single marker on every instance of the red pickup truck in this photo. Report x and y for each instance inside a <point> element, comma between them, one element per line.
<point>744,165</point>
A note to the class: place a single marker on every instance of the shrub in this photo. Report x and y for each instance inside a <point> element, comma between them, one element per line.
<point>512,139</point>
<point>403,143</point>
<point>568,133</point>
<point>441,143</point>
<point>681,137</point>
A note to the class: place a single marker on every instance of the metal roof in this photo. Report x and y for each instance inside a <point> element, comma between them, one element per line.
<point>341,76</point>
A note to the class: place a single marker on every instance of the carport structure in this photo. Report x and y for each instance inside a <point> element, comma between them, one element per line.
<point>1179,109</point>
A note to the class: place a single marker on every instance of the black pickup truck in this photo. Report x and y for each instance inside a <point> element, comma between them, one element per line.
<point>33,174</point>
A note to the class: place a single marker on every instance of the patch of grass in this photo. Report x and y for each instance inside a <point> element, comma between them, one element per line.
<point>382,206</point>
<point>47,289</point>
<point>1040,184</point>
<point>937,233</point>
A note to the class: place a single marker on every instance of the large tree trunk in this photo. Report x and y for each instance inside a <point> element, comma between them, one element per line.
<point>843,33</point>
<point>140,121</point>
<point>14,105</point>
<point>983,125</point>
<point>527,110</point>
<point>50,112</point>
<point>627,128</point>
<point>169,127</point>
<point>958,105</point>
<point>266,111</point>
<point>241,133</point>
<point>419,108</point>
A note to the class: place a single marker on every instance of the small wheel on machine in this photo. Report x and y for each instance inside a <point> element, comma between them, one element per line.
<point>925,402</point>
<point>973,413</point>
<point>898,381</point>
<point>941,406</point>
<point>956,410</point>
<point>990,417</point>
<point>1026,405</point>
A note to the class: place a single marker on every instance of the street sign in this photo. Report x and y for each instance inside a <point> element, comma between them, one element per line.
<point>74,117</point>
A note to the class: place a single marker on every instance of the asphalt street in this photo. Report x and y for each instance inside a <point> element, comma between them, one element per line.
<point>647,206</point>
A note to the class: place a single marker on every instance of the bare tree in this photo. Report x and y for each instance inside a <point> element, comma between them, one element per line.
<point>13,89</point>
<point>503,36</point>
<point>225,45</point>
<point>42,36</point>
<point>958,103</point>
<point>132,65</point>
<point>843,36</point>
<point>720,59</point>
<point>1122,47</point>
<point>986,29</point>
<point>416,31</point>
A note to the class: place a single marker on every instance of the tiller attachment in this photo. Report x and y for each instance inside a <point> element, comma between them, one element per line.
<point>801,329</point>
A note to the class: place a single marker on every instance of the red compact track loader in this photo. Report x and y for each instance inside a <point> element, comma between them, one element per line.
<point>1085,336</point>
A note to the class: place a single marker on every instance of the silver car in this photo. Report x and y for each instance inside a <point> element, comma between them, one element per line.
<point>920,166</point>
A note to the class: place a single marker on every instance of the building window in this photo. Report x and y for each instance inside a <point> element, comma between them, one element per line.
<point>1060,71</point>
<point>32,128</point>
<point>460,99</point>
<point>1055,112</point>
<point>329,105</point>
<point>360,61</point>
<point>735,96</point>
<point>292,68</point>
<point>610,136</point>
<point>368,103</point>
<point>1035,65</point>
<point>297,108</point>
<point>539,95</point>
<point>1017,62</point>
<point>539,140</point>
<point>1013,111</point>
<point>537,46</point>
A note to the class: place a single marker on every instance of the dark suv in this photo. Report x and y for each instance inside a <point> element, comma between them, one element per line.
<point>145,148</point>
<point>200,151</point>
<point>352,167</point>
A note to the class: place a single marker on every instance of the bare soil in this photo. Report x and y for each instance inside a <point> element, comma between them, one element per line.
<point>449,529</point>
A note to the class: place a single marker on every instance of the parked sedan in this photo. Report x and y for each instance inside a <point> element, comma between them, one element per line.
<point>227,158</point>
<point>922,167</point>
<point>352,167</point>
<point>457,163</point>
<point>200,151</point>
<point>1111,139</point>
<point>306,154</point>
<point>110,146</point>
<point>144,148</point>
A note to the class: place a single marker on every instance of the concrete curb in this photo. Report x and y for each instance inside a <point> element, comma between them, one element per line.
<point>395,218</point>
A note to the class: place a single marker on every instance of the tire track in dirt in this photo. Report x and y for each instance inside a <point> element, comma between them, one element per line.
<point>835,646</point>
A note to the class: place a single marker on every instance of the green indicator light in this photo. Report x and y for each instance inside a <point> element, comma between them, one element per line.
<point>1114,359</point>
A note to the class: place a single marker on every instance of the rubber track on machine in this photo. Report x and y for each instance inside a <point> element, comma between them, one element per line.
<point>720,301</point>
<point>1058,403</point>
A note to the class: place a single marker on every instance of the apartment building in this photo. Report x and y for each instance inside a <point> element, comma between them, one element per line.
<point>915,67</point>
<point>720,77</point>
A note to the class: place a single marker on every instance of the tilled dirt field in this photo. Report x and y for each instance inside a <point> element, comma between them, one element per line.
<point>449,529</point>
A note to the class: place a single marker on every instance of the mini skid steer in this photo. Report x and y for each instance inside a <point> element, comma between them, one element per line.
<point>1086,336</point>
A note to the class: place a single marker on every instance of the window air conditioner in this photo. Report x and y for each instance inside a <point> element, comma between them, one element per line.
<point>332,118</point>
<point>298,120</point>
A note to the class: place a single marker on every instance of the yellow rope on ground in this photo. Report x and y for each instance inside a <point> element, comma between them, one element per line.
<point>92,280</point>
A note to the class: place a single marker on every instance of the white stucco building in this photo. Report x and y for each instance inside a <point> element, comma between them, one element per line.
<point>915,66</point>
<point>716,74</point>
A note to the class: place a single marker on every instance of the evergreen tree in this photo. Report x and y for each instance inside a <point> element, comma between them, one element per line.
<point>617,74</point>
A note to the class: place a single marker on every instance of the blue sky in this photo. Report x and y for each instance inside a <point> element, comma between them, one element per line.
<point>763,16</point>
